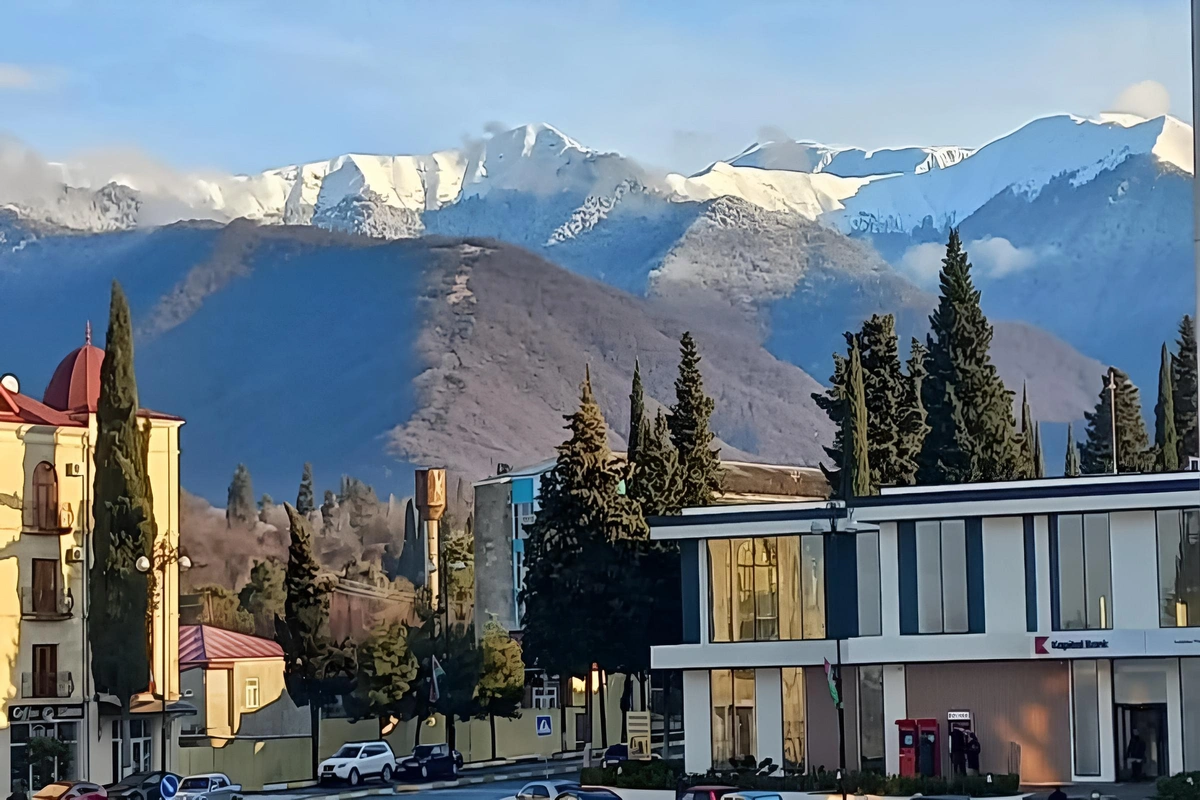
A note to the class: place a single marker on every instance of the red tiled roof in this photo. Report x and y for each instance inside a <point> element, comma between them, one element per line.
<point>203,644</point>
<point>15,407</point>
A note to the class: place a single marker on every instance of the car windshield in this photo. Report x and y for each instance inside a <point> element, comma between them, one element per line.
<point>194,784</point>
<point>347,751</point>
<point>425,750</point>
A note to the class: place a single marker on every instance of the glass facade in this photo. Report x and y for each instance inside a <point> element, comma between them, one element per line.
<point>870,615</point>
<point>1084,572</point>
<point>733,722</point>
<point>793,718</point>
<point>872,747</point>
<point>1179,568</point>
<point>766,589</point>
<point>941,576</point>
<point>1085,706</point>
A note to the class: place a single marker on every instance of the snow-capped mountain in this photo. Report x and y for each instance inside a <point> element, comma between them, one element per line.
<point>848,162</point>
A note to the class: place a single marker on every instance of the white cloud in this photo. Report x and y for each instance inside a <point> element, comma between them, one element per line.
<point>922,262</point>
<point>14,76</point>
<point>991,256</point>
<point>1146,99</point>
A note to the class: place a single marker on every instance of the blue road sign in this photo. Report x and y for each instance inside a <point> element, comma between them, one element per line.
<point>544,726</point>
<point>169,786</point>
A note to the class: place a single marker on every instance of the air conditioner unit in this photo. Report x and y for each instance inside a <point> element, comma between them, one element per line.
<point>74,555</point>
<point>74,469</point>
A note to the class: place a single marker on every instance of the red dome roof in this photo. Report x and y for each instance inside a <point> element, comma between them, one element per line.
<point>76,382</point>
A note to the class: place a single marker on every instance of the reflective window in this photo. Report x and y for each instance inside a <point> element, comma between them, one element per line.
<point>871,746</point>
<point>789,588</point>
<point>793,718</point>
<point>1084,572</point>
<point>870,617</point>
<point>1085,704</point>
<point>1179,568</point>
<point>743,587</point>
<point>812,579</point>
<point>732,716</point>
<point>720,601</point>
<point>941,576</point>
<point>766,589</point>
<point>954,576</point>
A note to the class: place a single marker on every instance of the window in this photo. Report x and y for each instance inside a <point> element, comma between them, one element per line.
<point>252,697</point>
<point>45,497</point>
<point>793,718</point>
<point>942,577</point>
<point>544,697</point>
<point>1179,568</point>
<point>1084,572</point>
<point>870,616</point>
<point>536,791</point>
<point>732,716</point>
<point>766,589</point>
<point>373,750</point>
<point>59,768</point>
<point>871,745</point>
<point>139,743</point>
<point>1085,705</point>
<point>45,670</point>
<point>45,586</point>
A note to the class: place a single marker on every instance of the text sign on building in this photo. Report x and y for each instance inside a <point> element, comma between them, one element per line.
<point>544,726</point>
<point>46,713</point>
<point>1089,644</point>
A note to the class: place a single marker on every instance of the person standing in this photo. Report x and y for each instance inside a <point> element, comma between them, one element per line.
<point>1135,754</point>
<point>973,750</point>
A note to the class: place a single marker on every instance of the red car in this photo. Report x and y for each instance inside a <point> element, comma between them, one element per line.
<point>707,792</point>
<point>71,790</point>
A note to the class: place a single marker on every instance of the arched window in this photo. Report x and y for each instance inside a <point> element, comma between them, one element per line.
<point>45,497</point>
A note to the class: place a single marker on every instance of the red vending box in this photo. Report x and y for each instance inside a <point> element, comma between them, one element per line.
<point>908,747</point>
<point>929,747</point>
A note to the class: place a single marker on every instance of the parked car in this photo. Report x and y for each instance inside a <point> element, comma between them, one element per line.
<point>544,790</point>
<point>355,761</point>
<point>428,760</point>
<point>588,793</point>
<point>141,786</point>
<point>753,796</point>
<point>71,790</point>
<point>210,786</point>
<point>617,753</point>
<point>707,792</point>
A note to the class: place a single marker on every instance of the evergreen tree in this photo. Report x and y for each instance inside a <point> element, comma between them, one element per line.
<point>240,507</point>
<point>1166,442</point>
<point>263,596</point>
<point>452,691</point>
<point>305,503</point>
<point>329,513</point>
<point>969,410</point>
<point>913,421</point>
<point>688,423</point>
<point>1039,459</point>
<point>502,682</point>
<point>1184,378</point>
<point>1025,441</point>
<point>637,414</point>
<point>833,402</point>
<point>856,467</point>
<point>656,481</point>
<point>315,668</point>
<point>1071,468</point>
<point>1096,454</point>
<point>412,555</point>
<point>265,506</point>
<point>220,608</point>
<point>386,675</point>
<point>123,527</point>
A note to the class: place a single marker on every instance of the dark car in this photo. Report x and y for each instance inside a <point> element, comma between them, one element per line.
<point>707,792</point>
<point>589,793</point>
<point>143,786</point>
<point>428,760</point>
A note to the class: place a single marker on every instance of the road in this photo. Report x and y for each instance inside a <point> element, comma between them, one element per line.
<point>491,783</point>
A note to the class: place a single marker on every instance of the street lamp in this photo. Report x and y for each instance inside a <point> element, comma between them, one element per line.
<point>1112,413</point>
<point>833,509</point>
<point>163,558</point>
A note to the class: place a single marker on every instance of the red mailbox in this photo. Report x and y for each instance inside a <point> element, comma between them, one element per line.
<point>929,747</point>
<point>908,747</point>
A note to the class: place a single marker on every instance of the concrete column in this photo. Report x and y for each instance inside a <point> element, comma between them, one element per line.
<point>697,717</point>
<point>895,707</point>
<point>1041,537</point>
<point>1174,717</point>
<point>889,579</point>
<point>768,715</point>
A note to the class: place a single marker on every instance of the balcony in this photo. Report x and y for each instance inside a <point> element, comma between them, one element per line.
<point>46,604</point>
<point>47,684</point>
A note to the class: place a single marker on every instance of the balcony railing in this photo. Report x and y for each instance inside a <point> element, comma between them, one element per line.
<point>47,684</point>
<point>46,604</point>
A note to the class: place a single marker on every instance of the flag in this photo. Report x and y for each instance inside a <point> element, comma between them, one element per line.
<point>832,681</point>
<point>438,673</point>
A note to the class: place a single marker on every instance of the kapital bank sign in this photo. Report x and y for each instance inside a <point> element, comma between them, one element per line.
<point>1116,643</point>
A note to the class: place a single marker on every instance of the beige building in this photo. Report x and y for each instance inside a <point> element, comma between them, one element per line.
<point>46,475</point>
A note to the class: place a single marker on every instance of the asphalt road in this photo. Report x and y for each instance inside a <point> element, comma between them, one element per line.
<point>491,783</point>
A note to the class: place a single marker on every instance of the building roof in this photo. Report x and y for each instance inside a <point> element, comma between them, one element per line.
<point>16,407</point>
<point>200,645</point>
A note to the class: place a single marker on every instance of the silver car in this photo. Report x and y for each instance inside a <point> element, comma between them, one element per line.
<point>210,786</point>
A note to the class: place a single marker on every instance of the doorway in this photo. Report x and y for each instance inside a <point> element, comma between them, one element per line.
<point>1149,722</point>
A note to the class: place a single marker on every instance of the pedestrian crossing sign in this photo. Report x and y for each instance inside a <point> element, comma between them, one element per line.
<point>544,728</point>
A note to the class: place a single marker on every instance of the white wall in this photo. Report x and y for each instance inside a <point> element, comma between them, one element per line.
<point>1004,574</point>
<point>768,715</point>
<point>697,712</point>
<point>1134,545</point>
<point>1041,536</point>
<point>889,582</point>
<point>895,707</point>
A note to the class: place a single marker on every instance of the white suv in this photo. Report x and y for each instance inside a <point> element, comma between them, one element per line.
<point>355,761</point>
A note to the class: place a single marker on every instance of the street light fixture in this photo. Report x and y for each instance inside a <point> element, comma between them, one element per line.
<point>165,556</point>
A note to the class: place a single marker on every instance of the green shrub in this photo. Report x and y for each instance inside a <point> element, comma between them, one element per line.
<point>1184,786</point>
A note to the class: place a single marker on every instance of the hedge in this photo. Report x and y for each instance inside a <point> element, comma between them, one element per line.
<point>670,775</point>
<point>1184,786</point>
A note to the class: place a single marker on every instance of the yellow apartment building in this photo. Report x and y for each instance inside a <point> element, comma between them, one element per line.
<point>46,477</point>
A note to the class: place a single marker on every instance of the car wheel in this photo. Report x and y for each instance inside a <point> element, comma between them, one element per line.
<point>386,775</point>
<point>424,771</point>
<point>353,778</point>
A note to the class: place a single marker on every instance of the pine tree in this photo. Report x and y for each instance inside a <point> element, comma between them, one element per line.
<point>912,419</point>
<point>123,526</point>
<point>240,506</point>
<point>833,402</point>
<point>502,682</point>
<point>969,410</point>
<point>688,422</point>
<point>1184,378</point>
<point>305,503</point>
<point>263,596</point>
<point>1096,454</point>
<point>637,414</point>
<point>1039,459</point>
<point>1071,468</point>
<point>656,482</point>
<point>1166,442</point>
<point>386,675</point>
<point>856,466</point>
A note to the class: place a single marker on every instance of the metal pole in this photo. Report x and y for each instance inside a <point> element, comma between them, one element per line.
<point>1112,414</point>
<point>1196,145</point>
<point>162,686</point>
<point>841,722</point>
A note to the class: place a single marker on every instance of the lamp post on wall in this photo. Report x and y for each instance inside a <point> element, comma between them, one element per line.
<point>164,557</point>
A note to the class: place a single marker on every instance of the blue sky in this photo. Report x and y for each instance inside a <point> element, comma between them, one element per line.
<point>244,85</point>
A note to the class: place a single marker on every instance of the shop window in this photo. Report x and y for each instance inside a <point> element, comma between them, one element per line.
<point>52,768</point>
<point>732,717</point>
<point>1179,568</point>
<point>793,718</point>
<point>1082,572</point>
<point>45,497</point>
<point>1085,706</point>
<point>252,697</point>
<point>941,576</point>
<point>766,589</point>
<point>871,745</point>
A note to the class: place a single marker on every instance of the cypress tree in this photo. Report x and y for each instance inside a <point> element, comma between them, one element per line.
<point>305,502</point>
<point>1096,455</point>
<point>637,414</point>
<point>912,419</point>
<point>1026,440</point>
<point>833,402</point>
<point>1039,460</point>
<point>656,482</point>
<point>240,505</point>
<point>1071,467</point>
<point>1166,442</point>
<point>856,467</point>
<point>969,410</point>
<point>119,630</point>
<point>1184,378</point>
<point>688,423</point>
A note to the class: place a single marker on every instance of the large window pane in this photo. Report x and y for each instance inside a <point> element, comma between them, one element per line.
<point>954,576</point>
<point>929,577</point>
<point>766,590</point>
<point>1085,697</point>
<point>812,580</point>
<point>871,745</point>
<point>720,601</point>
<point>1072,599</point>
<point>1098,571</point>
<point>743,588</point>
<point>1189,673</point>
<point>1170,536</point>
<point>789,587</point>
<point>870,622</point>
<point>743,698</point>
<point>722,716</point>
<point>1188,585</point>
<point>793,718</point>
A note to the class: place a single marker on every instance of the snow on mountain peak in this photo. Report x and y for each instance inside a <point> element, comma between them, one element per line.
<point>847,162</point>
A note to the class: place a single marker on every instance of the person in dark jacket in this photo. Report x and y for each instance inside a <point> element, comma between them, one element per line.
<point>1135,754</point>
<point>1058,794</point>
<point>973,750</point>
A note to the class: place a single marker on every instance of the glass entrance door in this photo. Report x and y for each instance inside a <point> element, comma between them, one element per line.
<point>1142,742</point>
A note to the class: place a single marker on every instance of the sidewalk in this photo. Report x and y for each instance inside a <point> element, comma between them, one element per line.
<point>1107,791</point>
